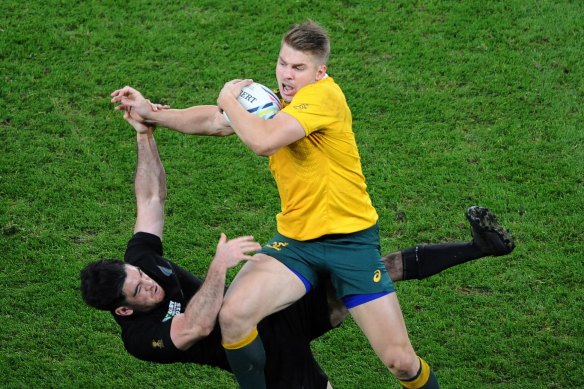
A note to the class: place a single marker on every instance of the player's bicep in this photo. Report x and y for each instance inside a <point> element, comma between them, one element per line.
<point>150,217</point>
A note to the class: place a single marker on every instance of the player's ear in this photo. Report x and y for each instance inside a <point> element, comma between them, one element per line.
<point>124,311</point>
<point>321,72</point>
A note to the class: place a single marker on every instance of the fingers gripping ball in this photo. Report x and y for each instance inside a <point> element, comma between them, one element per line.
<point>259,101</point>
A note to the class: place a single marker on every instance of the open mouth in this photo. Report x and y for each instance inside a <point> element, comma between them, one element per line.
<point>286,90</point>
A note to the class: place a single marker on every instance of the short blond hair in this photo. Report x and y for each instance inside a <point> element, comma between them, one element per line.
<point>309,37</point>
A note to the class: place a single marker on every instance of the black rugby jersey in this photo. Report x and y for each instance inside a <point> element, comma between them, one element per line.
<point>286,335</point>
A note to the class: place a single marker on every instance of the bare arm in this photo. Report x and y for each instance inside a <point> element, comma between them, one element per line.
<point>149,181</point>
<point>196,120</point>
<point>263,137</point>
<point>200,315</point>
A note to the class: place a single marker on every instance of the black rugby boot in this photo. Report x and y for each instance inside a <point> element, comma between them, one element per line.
<point>487,234</point>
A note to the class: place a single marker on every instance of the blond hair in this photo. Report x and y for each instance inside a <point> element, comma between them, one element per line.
<point>311,38</point>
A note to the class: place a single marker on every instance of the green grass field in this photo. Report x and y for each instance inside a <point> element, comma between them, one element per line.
<point>454,104</point>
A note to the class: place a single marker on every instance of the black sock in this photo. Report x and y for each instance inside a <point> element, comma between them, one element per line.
<point>426,260</point>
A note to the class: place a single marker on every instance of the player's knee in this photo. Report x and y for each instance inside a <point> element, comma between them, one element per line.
<point>402,361</point>
<point>233,319</point>
<point>228,314</point>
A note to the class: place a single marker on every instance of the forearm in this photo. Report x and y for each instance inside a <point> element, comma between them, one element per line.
<point>197,120</point>
<point>252,130</point>
<point>149,186</point>
<point>201,313</point>
<point>150,179</point>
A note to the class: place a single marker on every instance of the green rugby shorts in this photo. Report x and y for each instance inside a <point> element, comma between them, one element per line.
<point>353,260</point>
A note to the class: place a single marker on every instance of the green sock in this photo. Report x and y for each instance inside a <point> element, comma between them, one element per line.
<point>247,363</point>
<point>424,379</point>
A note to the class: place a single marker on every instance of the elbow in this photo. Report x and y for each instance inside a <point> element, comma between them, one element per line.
<point>184,331</point>
<point>206,329</point>
<point>262,153</point>
<point>261,150</point>
<point>157,200</point>
<point>193,333</point>
<point>211,131</point>
<point>206,325</point>
<point>162,195</point>
<point>265,153</point>
<point>151,202</point>
<point>225,131</point>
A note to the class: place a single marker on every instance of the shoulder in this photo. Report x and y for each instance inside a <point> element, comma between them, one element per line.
<point>325,92</point>
<point>326,85</point>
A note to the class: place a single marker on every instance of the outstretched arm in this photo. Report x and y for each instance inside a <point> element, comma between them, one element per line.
<point>149,182</point>
<point>200,315</point>
<point>197,120</point>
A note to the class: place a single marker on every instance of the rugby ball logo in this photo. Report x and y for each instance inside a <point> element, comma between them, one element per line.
<point>259,101</point>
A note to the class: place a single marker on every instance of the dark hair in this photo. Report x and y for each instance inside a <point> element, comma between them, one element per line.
<point>309,37</point>
<point>101,284</point>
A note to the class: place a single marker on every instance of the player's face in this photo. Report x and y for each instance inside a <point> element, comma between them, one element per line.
<point>296,69</point>
<point>142,292</point>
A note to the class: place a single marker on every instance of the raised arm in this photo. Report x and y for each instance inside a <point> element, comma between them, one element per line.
<point>200,315</point>
<point>149,181</point>
<point>196,120</point>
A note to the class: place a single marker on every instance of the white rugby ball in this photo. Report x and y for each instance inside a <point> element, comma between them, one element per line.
<point>259,101</point>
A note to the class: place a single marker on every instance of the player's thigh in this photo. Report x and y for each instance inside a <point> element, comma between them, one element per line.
<point>263,287</point>
<point>382,322</point>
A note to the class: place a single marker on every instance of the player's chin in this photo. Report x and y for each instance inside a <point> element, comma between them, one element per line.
<point>287,97</point>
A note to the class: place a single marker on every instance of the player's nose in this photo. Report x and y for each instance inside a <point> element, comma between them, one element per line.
<point>287,73</point>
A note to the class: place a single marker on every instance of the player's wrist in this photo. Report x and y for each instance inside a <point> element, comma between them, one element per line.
<point>219,266</point>
<point>147,113</point>
<point>145,134</point>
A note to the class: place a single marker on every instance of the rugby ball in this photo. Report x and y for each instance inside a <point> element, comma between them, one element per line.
<point>259,101</point>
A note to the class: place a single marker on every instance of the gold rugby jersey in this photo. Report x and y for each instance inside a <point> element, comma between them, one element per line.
<point>319,177</point>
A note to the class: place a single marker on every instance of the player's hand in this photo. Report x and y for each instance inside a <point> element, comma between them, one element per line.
<point>231,90</point>
<point>232,252</point>
<point>132,101</point>
<point>138,125</point>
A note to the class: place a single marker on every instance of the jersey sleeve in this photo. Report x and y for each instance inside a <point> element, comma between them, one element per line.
<point>142,247</point>
<point>150,341</point>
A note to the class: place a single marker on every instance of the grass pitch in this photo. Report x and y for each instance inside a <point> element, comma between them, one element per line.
<point>454,104</point>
